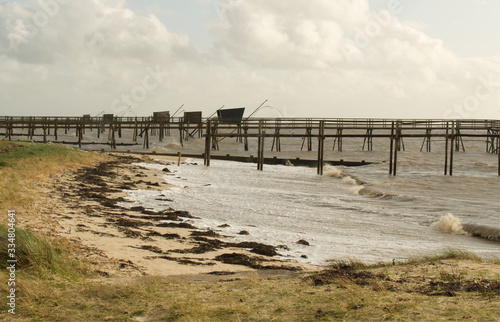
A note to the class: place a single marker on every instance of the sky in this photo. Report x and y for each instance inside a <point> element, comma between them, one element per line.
<point>297,58</point>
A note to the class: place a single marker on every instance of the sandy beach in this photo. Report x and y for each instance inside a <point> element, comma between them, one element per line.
<point>107,258</point>
<point>83,207</point>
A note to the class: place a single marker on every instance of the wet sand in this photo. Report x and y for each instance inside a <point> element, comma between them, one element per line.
<point>118,241</point>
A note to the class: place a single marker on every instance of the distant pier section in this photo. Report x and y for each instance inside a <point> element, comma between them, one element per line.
<point>310,134</point>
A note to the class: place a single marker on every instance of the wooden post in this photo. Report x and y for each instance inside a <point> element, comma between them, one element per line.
<point>214,129</point>
<point>180,134</point>
<point>55,131</point>
<point>396,148</point>
<point>112,137</point>
<point>245,130</point>
<point>160,132</point>
<point>368,140</point>
<point>207,144</point>
<point>9,128</point>
<point>452,146</point>
<point>446,151</point>
<point>179,159</point>
<point>276,140</point>
<point>259,142</point>
<point>427,140</point>
<point>260,148</point>
<point>391,149</point>
<point>146,137</point>
<point>321,145</point>
<point>78,135</point>
<point>309,139</point>
<point>338,140</point>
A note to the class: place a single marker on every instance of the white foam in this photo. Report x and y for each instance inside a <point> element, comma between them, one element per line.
<point>357,190</point>
<point>349,180</point>
<point>335,172</point>
<point>283,204</point>
<point>449,224</point>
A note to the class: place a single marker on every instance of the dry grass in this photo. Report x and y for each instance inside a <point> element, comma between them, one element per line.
<point>296,299</point>
<point>27,168</point>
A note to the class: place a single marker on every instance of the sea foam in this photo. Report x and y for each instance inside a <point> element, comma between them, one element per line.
<point>449,224</point>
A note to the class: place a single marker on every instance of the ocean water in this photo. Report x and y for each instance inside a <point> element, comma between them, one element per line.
<point>358,213</point>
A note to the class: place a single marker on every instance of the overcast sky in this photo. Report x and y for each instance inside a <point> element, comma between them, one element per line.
<point>307,58</point>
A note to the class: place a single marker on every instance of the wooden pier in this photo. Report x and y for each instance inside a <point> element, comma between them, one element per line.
<point>110,131</point>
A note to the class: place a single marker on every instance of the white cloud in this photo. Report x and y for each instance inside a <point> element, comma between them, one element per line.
<point>83,56</point>
<point>316,58</point>
<point>77,28</point>
<point>343,54</point>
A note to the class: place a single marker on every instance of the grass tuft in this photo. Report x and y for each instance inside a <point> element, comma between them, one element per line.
<point>41,256</point>
<point>345,264</point>
<point>31,250</point>
<point>455,254</point>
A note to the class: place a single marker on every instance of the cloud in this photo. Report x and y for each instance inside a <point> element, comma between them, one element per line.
<point>323,34</point>
<point>278,34</point>
<point>342,53</point>
<point>58,55</point>
<point>38,33</point>
<point>309,58</point>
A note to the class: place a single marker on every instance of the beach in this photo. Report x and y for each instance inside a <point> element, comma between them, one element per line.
<point>84,208</point>
<point>91,246</point>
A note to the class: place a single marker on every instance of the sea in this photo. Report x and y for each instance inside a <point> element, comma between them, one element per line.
<point>358,213</point>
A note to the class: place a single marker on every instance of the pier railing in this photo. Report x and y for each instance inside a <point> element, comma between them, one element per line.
<point>215,130</point>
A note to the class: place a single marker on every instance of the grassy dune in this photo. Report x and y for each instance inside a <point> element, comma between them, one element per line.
<point>52,285</point>
<point>25,168</point>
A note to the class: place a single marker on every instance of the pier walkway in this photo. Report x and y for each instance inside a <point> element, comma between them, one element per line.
<point>126,131</point>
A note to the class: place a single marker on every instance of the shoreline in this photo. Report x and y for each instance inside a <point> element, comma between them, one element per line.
<point>136,241</point>
<point>69,203</point>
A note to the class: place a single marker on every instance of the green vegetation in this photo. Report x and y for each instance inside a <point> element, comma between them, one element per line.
<point>12,153</point>
<point>26,167</point>
<point>37,254</point>
<point>448,254</point>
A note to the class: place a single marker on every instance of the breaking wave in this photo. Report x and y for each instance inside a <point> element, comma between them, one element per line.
<point>359,188</point>
<point>453,225</point>
<point>487,232</point>
<point>449,224</point>
<point>372,193</point>
<point>337,172</point>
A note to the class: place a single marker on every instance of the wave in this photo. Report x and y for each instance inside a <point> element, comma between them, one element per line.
<point>449,224</point>
<point>485,164</point>
<point>349,180</point>
<point>487,232</point>
<point>335,172</point>
<point>452,224</point>
<point>338,172</point>
<point>360,187</point>
<point>372,193</point>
